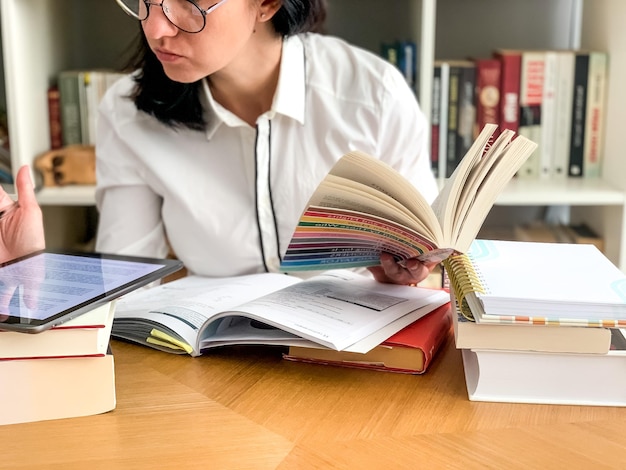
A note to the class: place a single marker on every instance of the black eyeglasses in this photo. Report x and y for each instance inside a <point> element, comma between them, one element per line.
<point>186,15</point>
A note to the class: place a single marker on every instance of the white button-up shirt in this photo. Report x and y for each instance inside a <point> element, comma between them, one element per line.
<point>228,199</point>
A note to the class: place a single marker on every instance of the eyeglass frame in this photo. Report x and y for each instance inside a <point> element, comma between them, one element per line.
<point>149,3</point>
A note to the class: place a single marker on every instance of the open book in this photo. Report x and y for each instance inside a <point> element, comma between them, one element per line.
<point>364,207</point>
<point>340,309</point>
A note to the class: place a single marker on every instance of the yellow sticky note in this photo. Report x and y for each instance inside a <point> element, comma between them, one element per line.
<point>169,339</point>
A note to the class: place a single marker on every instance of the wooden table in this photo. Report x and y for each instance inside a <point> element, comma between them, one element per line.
<point>246,408</point>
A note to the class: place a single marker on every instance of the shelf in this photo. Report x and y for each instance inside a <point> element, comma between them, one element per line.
<point>80,195</point>
<point>570,191</point>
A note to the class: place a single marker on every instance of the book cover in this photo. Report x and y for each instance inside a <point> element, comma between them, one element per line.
<point>499,282</point>
<point>488,76</point>
<point>549,378</point>
<point>579,113</point>
<point>411,350</point>
<point>466,109</point>
<point>510,61</point>
<point>56,388</point>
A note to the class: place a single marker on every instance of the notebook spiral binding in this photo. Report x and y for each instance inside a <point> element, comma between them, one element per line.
<point>464,279</point>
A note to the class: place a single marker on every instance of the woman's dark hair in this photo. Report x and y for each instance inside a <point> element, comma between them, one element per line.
<point>177,104</point>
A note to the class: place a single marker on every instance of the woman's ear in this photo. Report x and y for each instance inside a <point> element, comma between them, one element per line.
<point>268,8</point>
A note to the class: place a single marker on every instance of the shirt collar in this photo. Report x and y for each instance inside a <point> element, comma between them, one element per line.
<point>288,99</point>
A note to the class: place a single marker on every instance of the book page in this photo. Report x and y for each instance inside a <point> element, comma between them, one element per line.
<point>181,308</point>
<point>444,206</point>
<point>338,308</point>
<point>369,171</point>
<point>498,176</point>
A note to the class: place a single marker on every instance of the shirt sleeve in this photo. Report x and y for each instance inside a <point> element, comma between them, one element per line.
<point>404,131</point>
<point>130,211</point>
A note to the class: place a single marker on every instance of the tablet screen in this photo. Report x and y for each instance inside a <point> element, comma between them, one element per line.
<point>48,288</point>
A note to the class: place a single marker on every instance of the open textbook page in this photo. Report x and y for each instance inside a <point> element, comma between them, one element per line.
<point>340,310</point>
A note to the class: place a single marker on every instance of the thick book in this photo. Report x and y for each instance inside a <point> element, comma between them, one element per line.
<point>410,351</point>
<point>505,282</point>
<point>549,378</point>
<point>519,337</point>
<point>85,335</point>
<point>364,207</point>
<point>56,388</point>
<point>339,309</point>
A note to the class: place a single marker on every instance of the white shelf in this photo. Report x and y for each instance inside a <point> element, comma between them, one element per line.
<point>570,191</point>
<point>79,195</point>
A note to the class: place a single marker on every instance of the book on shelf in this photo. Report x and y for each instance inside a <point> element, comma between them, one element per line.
<point>56,388</point>
<point>594,117</point>
<point>563,103</point>
<point>538,283</point>
<point>548,378</point>
<point>364,207</point>
<point>531,119</point>
<point>54,117</point>
<point>579,113</point>
<point>443,70</point>
<point>339,309</point>
<point>435,122</point>
<point>410,350</point>
<point>488,76</point>
<point>510,61</point>
<point>86,335</point>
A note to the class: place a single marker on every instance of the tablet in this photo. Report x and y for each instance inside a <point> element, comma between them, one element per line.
<point>49,287</point>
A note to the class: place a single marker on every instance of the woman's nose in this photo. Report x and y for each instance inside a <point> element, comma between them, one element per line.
<point>156,25</point>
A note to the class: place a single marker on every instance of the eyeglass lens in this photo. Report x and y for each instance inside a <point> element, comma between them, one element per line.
<point>184,14</point>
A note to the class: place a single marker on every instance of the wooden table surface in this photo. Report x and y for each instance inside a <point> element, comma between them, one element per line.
<point>246,408</point>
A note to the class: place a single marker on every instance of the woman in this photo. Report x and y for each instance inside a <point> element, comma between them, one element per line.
<point>236,113</point>
<point>21,222</point>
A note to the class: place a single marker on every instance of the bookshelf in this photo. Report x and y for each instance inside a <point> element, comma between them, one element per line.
<point>455,29</point>
<point>42,37</point>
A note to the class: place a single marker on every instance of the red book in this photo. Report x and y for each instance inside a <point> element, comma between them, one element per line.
<point>488,76</point>
<point>54,118</point>
<point>510,62</point>
<point>409,351</point>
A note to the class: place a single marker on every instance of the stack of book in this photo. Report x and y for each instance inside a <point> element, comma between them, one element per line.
<point>64,372</point>
<point>540,323</point>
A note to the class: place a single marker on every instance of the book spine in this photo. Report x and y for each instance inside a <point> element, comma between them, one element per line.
<point>435,115</point>
<point>453,120</point>
<point>54,117</point>
<point>596,88</point>
<point>488,76</point>
<point>548,115</point>
<point>579,106</point>
<point>443,120</point>
<point>532,75</point>
<point>509,89</point>
<point>70,107</point>
<point>466,111</point>
<point>562,127</point>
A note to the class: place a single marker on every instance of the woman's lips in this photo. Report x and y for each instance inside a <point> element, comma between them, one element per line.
<point>166,56</point>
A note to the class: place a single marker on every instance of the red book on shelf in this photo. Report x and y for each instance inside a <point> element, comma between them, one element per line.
<point>54,118</point>
<point>510,61</point>
<point>409,351</point>
<point>488,75</point>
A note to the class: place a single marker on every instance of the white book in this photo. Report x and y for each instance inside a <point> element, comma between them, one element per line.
<point>538,283</point>
<point>87,334</point>
<point>44,389</point>
<point>550,378</point>
<point>548,114</point>
<point>564,106</point>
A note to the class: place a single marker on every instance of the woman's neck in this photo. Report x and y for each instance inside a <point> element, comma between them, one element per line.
<point>247,86</point>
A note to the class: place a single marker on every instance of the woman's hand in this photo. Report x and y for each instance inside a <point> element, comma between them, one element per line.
<point>21,222</point>
<point>391,272</point>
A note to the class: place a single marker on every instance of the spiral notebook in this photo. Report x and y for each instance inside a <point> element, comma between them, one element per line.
<point>538,283</point>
